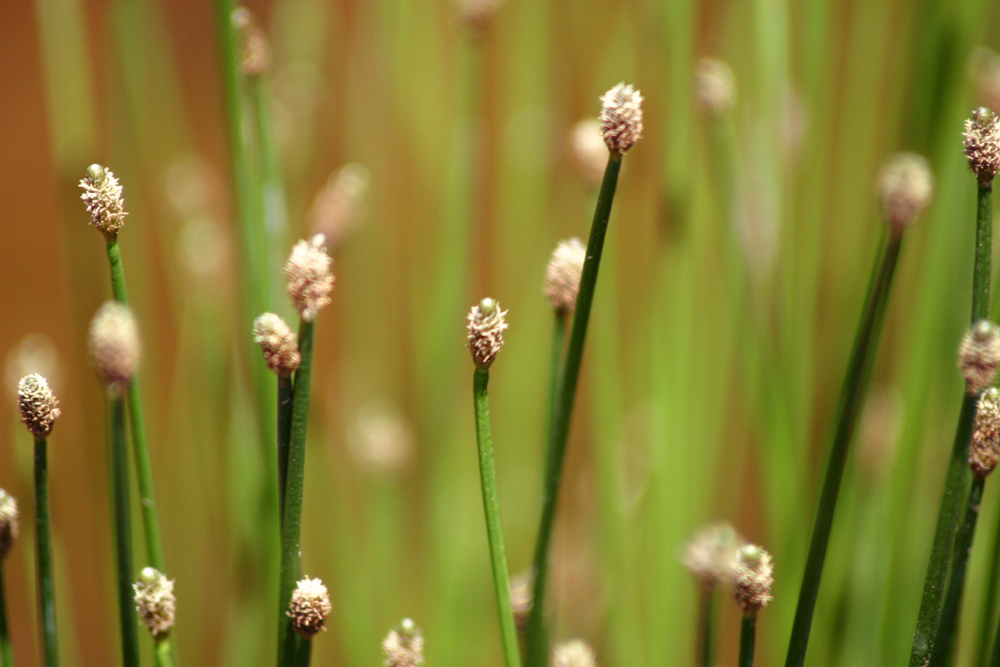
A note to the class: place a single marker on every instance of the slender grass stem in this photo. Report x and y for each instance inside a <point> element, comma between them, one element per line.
<point>989,604</point>
<point>851,399</point>
<point>494,530</point>
<point>6,652</point>
<point>292,520</point>
<point>955,476</point>
<point>555,367</point>
<point>286,394</point>
<point>46,582</point>
<point>536,638</point>
<point>274,202</point>
<point>123,534</point>
<point>706,618</point>
<point>163,652</point>
<point>942,652</point>
<point>748,634</point>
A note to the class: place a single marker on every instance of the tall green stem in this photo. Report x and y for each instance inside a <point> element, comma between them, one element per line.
<point>286,394</point>
<point>46,582</point>
<point>705,657</point>
<point>748,633</point>
<point>123,534</point>
<point>494,531</point>
<point>851,399</point>
<point>6,654</point>
<point>955,476</point>
<point>555,368</point>
<point>536,637</point>
<point>989,603</point>
<point>292,520</point>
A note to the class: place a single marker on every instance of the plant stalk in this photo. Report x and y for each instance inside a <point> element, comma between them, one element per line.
<point>46,581</point>
<point>989,605</point>
<point>286,395</point>
<point>555,368</point>
<point>6,652</point>
<point>706,617</point>
<point>123,534</point>
<point>748,634</point>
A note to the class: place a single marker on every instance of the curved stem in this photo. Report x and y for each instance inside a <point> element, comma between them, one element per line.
<point>494,530</point>
<point>748,632</point>
<point>46,583</point>
<point>123,535</point>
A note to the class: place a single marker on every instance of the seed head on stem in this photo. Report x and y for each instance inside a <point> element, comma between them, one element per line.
<point>485,331</point>
<point>979,356</point>
<point>982,144</point>
<point>278,342</point>
<point>621,117</point>
<point>8,522</point>
<point>309,607</point>
<point>562,275</point>
<point>573,653</point>
<point>310,280</point>
<point>255,56</point>
<point>590,154</point>
<point>714,86</point>
<point>103,196</point>
<point>905,186</point>
<point>114,344</point>
<point>404,646</point>
<point>753,577</point>
<point>339,206</point>
<point>39,406</point>
<point>984,449</point>
<point>155,601</point>
<point>709,555</point>
<point>520,599</point>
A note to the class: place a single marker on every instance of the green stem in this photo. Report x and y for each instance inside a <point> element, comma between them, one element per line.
<point>123,534</point>
<point>989,604</point>
<point>851,400</point>
<point>536,636</point>
<point>304,656</point>
<point>163,652</point>
<point>555,367</point>
<point>292,521</point>
<point>272,190</point>
<point>286,394</point>
<point>494,531</point>
<point>944,639</point>
<point>748,632</point>
<point>705,624</point>
<point>46,582</point>
<point>6,653</point>
<point>955,476</point>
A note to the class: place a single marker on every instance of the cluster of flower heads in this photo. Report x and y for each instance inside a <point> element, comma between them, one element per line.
<point>310,280</point>
<point>984,448</point>
<point>114,344</point>
<point>485,331</point>
<point>717,555</point>
<point>103,196</point>
<point>39,406</point>
<point>982,144</point>
<point>905,186</point>
<point>979,356</point>
<point>621,117</point>
<point>404,646</point>
<point>155,601</point>
<point>562,275</point>
<point>309,607</point>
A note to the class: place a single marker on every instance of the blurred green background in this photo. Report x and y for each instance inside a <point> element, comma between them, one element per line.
<point>736,264</point>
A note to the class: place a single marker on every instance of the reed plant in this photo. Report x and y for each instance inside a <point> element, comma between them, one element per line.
<point>8,534</point>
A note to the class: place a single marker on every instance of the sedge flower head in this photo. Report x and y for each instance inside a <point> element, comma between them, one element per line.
<point>310,280</point>
<point>621,117</point>
<point>39,406</point>
<point>103,196</point>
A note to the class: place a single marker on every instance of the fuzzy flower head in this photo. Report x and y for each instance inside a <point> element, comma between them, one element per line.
<point>485,331</point>
<point>404,646</point>
<point>590,154</point>
<point>155,601</point>
<point>562,276</point>
<point>309,607</point>
<point>520,599</point>
<point>8,522</point>
<point>621,117</point>
<point>114,344</point>
<point>573,653</point>
<point>310,280</point>
<point>982,144</point>
<point>709,554</point>
<point>753,577</point>
<point>278,341</point>
<point>979,356</point>
<point>905,186</point>
<point>255,51</point>
<point>39,406</point>
<point>714,86</point>
<point>339,207</point>
<point>103,196</point>
<point>984,449</point>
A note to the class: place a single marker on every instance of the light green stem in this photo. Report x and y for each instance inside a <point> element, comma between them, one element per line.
<point>46,581</point>
<point>123,534</point>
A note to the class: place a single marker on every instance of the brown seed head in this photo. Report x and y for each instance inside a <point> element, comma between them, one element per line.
<point>573,653</point>
<point>979,355</point>
<point>309,278</point>
<point>255,51</point>
<point>485,331</point>
<point>338,208</point>
<point>8,522</point>
<point>984,450</point>
<point>709,554</point>
<point>404,646</point>
<point>714,86</point>
<point>590,154</point>
<point>103,196</point>
<point>155,601</point>
<point>982,144</point>
<point>309,607</point>
<point>905,187</point>
<point>278,341</point>
<point>520,599</point>
<point>621,117</point>
<point>114,344</point>
<point>562,276</point>
<point>39,406</point>
<point>753,576</point>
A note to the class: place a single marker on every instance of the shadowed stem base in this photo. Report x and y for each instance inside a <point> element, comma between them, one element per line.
<point>748,633</point>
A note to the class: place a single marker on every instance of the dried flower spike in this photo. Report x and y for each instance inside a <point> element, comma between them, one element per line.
<point>8,522</point>
<point>979,356</point>
<point>984,450</point>
<point>573,653</point>
<point>309,607</point>
<point>709,554</point>
<point>621,117</point>
<point>753,576</point>
<point>982,144</point>
<point>255,51</point>
<point>714,86</point>
<point>905,187</point>
<point>103,196</point>
<point>114,343</point>
<point>590,154</point>
<point>39,406</point>
<point>155,601</point>
<point>404,646</point>
<point>562,276</point>
<point>309,278</point>
<point>485,331</point>
<point>520,599</point>
<point>277,340</point>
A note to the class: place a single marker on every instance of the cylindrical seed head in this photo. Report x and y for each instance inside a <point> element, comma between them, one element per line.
<point>984,449</point>
<point>979,356</point>
<point>103,196</point>
<point>114,344</point>
<point>155,601</point>
<point>39,406</point>
<point>753,577</point>
<point>621,117</point>
<point>905,186</point>
<point>8,522</point>
<point>709,554</point>
<point>278,341</point>
<point>485,331</point>
<point>255,51</point>
<point>714,86</point>
<point>309,607</point>
<point>573,653</point>
<point>590,154</point>
<point>310,280</point>
<point>404,646</point>
<point>520,599</point>
<point>982,144</point>
<point>562,275</point>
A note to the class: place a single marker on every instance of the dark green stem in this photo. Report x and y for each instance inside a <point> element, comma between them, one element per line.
<point>292,521</point>
<point>955,476</point>
<point>706,618</point>
<point>944,639</point>
<point>555,368</point>
<point>748,633</point>
<point>46,581</point>
<point>851,400</point>
<point>536,636</point>
<point>989,603</point>
<point>304,656</point>
<point>491,507</point>
<point>123,534</point>
<point>286,393</point>
<point>6,654</point>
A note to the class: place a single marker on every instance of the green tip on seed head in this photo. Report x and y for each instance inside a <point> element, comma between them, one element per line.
<point>95,171</point>
<point>487,306</point>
